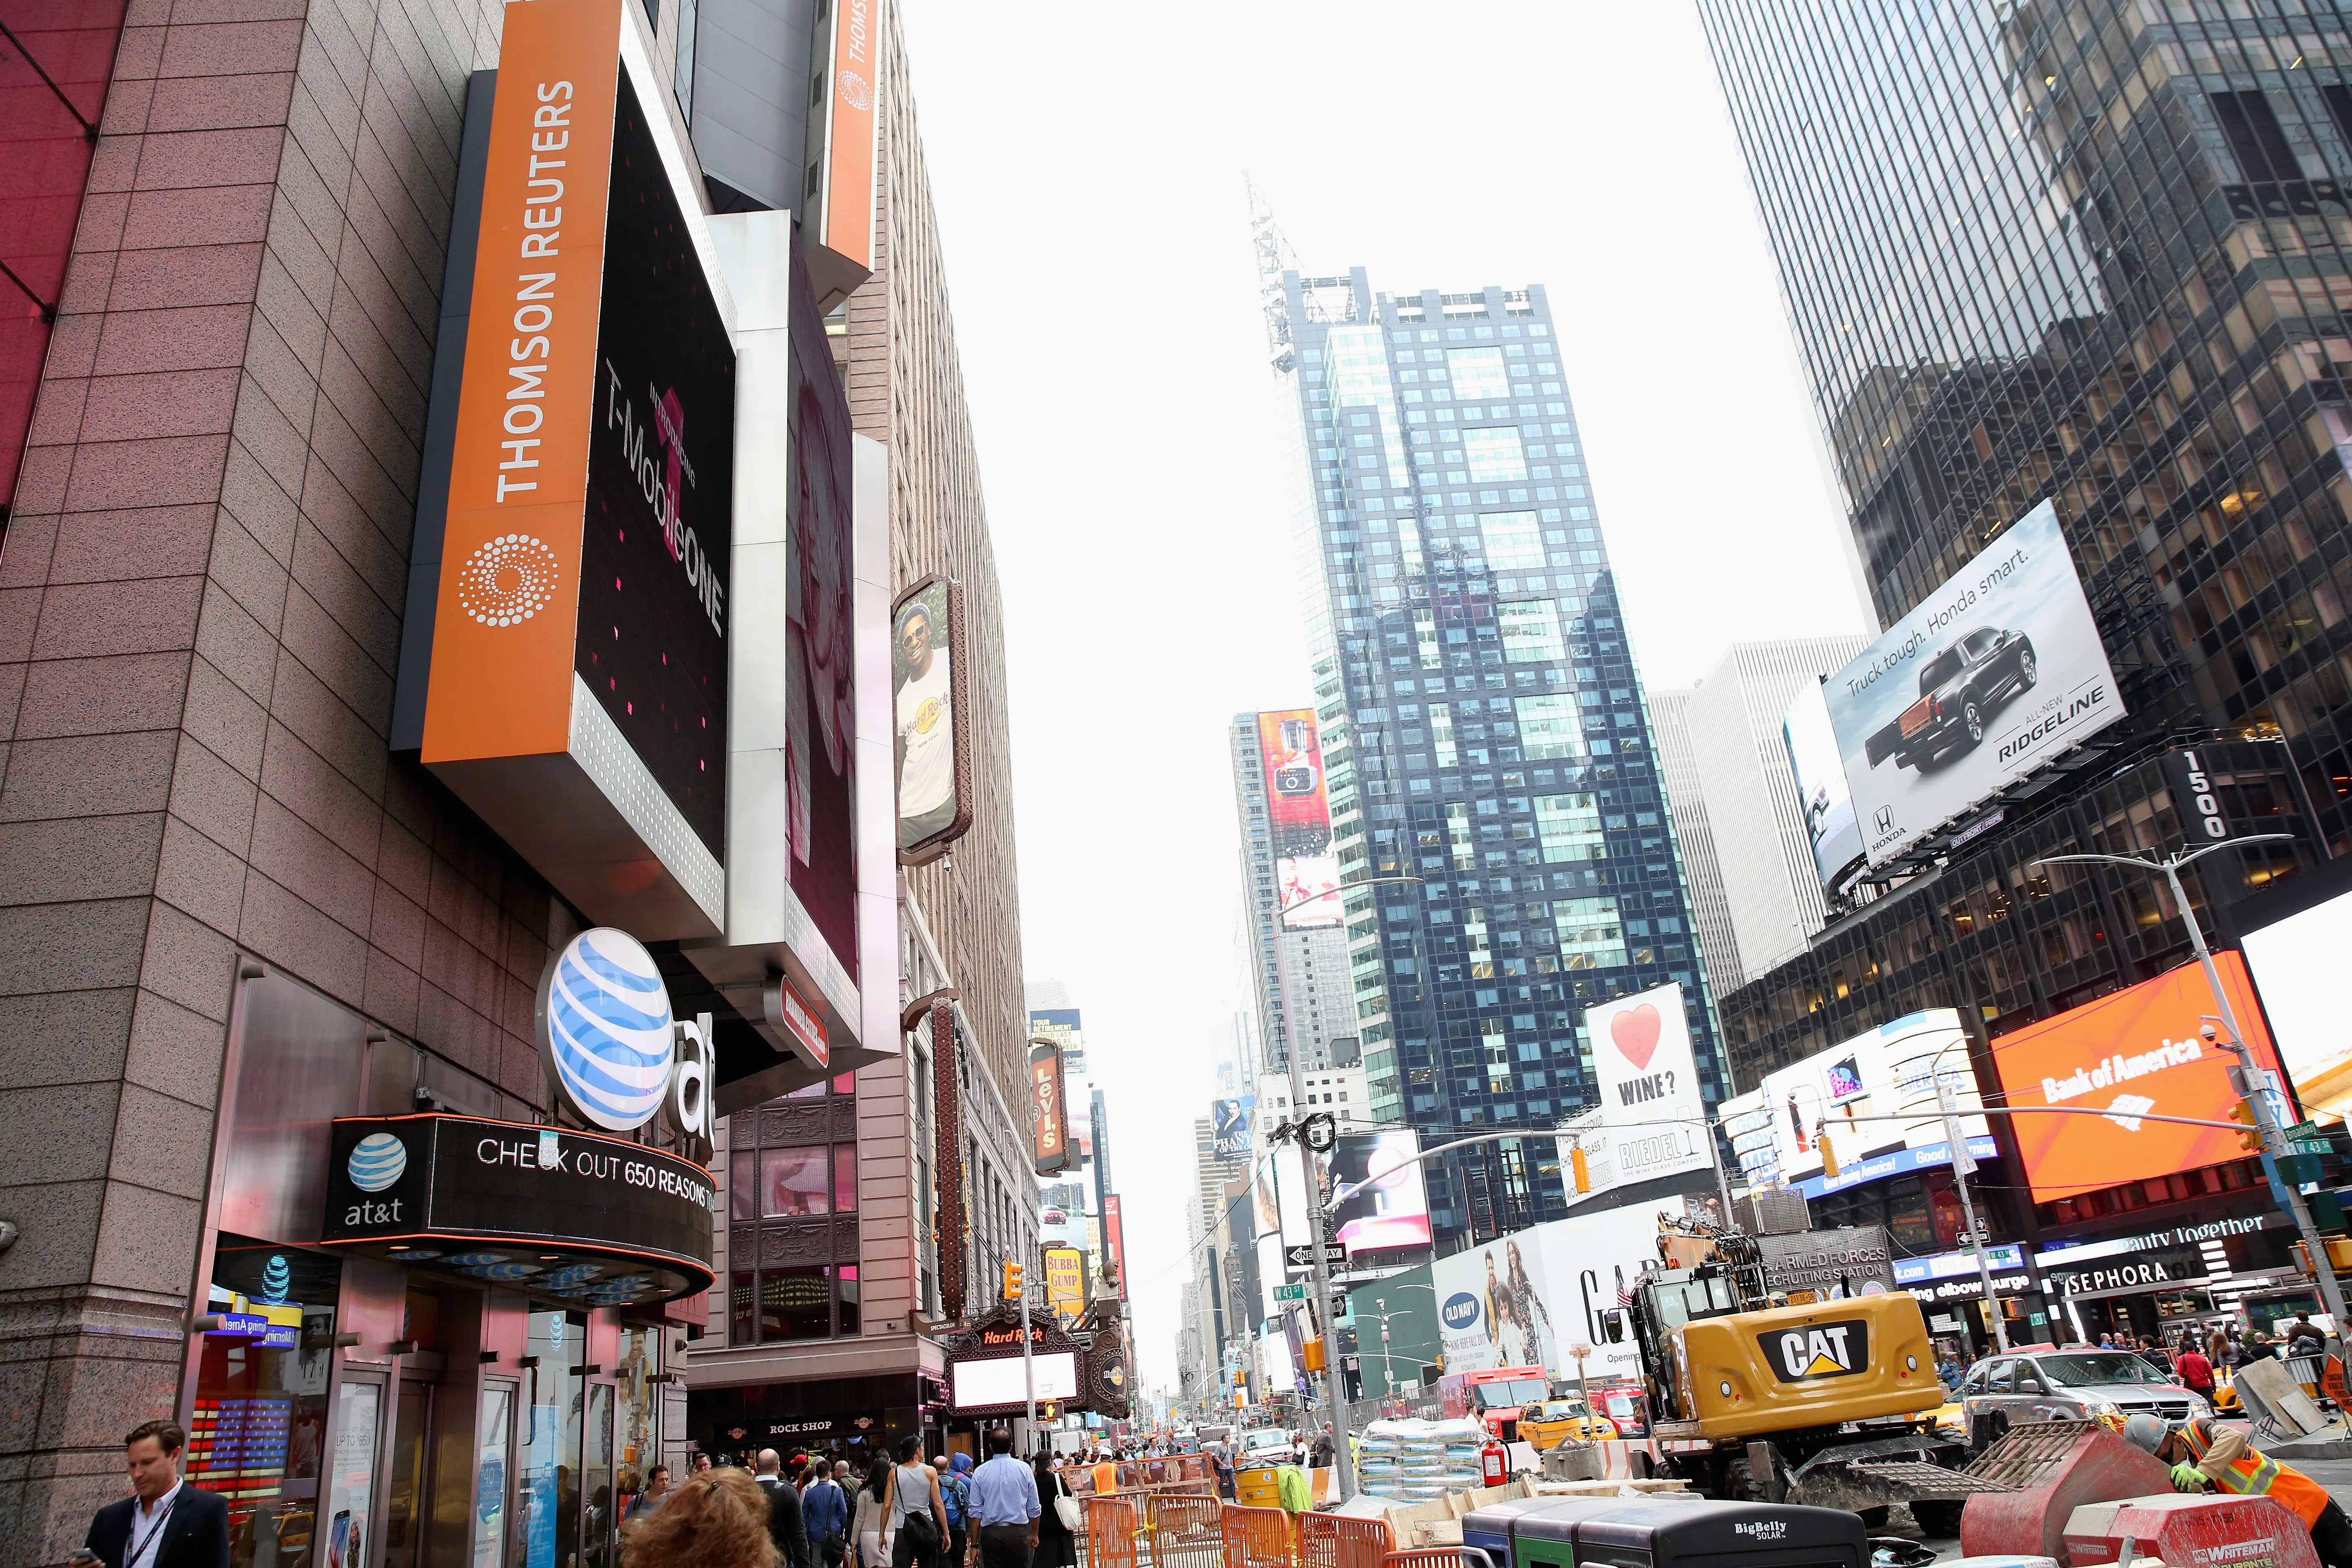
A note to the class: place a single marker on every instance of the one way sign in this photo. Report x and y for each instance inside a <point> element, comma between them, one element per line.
<point>1303,1255</point>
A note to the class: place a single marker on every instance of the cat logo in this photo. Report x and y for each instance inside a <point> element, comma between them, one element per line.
<point>1837,1348</point>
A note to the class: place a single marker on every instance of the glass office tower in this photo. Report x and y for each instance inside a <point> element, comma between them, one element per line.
<point>2097,252</point>
<point>1483,724</point>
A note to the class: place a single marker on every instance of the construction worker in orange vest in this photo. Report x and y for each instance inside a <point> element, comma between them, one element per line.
<point>2205,1456</point>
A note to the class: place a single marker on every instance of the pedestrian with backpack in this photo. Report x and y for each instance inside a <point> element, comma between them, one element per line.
<point>955,1491</point>
<point>825,1515</point>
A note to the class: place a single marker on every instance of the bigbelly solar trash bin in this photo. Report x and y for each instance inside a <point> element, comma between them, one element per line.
<point>1669,1531</point>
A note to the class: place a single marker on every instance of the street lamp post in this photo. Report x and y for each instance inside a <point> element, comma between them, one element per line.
<point>2251,1076</point>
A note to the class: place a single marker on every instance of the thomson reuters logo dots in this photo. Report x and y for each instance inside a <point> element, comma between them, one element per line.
<point>508,579</point>
<point>856,91</point>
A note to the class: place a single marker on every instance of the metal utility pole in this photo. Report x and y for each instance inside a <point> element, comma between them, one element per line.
<point>1334,1382</point>
<point>1964,1166</point>
<point>2331,1294</point>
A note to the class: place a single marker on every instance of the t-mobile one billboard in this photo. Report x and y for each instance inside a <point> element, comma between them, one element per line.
<point>577,697</point>
<point>2125,1058</point>
<point>1998,670</point>
<point>1307,870</point>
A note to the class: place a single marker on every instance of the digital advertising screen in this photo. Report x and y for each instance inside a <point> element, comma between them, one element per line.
<point>661,490</point>
<point>1998,670</point>
<point>1002,1380</point>
<point>1230,1123</point>
<point>1377,1192</point>
<point>820,677</point>
<point>1652,1120</point>
<point>1833,1095</point>
<point>2298,967</point>
<point>932,723</point>
<point>2128,1056</point>
<point>1830,824</point>
<point>1306,869</point>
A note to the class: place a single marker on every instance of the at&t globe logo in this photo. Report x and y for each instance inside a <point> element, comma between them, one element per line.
<point>377,1161</point>
<point>604,1029</point>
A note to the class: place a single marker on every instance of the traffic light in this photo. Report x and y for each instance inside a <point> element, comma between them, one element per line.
<point>1013,1290</point>
<point>2251,1140</point>
<point>1583,1169</point>
<point>1829,1149</point>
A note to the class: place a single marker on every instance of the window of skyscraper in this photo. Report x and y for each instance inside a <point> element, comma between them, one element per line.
<point>1495,453</point>
<point>1549,726</point>
<point>1513,540</point>
<point>1568,826</point>
<point>1441,734</point>
<point>1478,372</point>
<point>2255,136</point>
<point>1591,935</point>
<point>1530,632</point>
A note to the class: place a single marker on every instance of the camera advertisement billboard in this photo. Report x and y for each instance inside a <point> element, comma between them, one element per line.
<point>1306,866</point>
<point>1377,1192</point>
<point>1821,792</point>
<point>1998,670</point>
<point>2129,1055</point>
<point>1650,1120</point>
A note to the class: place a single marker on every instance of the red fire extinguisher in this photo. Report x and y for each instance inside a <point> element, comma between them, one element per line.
<point>1494,1463</point>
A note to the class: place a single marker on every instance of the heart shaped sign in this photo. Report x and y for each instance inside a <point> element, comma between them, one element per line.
<point>1635,1031</point>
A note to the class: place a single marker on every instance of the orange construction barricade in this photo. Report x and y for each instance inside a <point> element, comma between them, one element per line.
<point>1113,1526</point>
<point>1327,1540</point>
<point>1259,1538</point>
<point>1184,1529</point>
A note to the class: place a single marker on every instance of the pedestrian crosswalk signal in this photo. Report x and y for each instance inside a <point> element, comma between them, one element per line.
<point>1583,1169</point>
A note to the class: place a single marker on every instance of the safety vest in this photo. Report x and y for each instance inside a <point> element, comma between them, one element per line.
<point>2256,1474</point>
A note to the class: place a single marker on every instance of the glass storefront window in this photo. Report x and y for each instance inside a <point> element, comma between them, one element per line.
<point>742,1185</point>
<point>351,1475</point>
<point>258,1431</point>
<point>638,1417</point>
<point>548,1499</point>
<point>845,1178</point>
<point>795,1182</point>
<point>795,1304</point>
<point>491,1462</point>
<point>596,1524</point>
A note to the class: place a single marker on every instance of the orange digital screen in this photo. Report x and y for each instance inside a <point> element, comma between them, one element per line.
<point>2128,1056</point>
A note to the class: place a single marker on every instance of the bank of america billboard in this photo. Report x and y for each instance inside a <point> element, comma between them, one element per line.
<point>1998,670</point>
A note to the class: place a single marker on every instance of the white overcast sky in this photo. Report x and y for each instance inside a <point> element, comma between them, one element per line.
<point>1088,169</point>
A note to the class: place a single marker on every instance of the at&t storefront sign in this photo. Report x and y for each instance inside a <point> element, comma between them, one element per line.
<point>614,1053</point>
<point>580,1216</point>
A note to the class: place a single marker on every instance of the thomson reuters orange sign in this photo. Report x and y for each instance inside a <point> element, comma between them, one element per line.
<point>2127,1058</point>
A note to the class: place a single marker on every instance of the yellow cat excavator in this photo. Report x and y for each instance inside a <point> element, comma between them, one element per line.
<point>1829,1403</point>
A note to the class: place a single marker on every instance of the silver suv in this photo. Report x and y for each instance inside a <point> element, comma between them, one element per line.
<point>2044,1384</point>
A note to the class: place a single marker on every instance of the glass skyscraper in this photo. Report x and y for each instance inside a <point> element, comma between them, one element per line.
<point>1483,724</point>
<point>2095,252</point>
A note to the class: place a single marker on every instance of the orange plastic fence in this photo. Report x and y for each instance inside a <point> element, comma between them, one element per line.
<point>1259,1538</point>
<point>1113,1527</point>
<point>1185,1530</point>
<point>1327,1540</point>
<point>1433,1557</point>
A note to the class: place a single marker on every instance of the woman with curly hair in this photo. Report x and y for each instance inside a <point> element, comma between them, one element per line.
<point>717,1519</point>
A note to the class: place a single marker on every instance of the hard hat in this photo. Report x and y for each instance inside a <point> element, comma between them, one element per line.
<point>2146,1432</point>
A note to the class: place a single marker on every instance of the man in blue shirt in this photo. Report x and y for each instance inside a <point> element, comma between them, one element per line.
<point>1004,1507</point>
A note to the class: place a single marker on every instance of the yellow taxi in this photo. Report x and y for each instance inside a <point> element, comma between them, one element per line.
<point>1557,1421</point>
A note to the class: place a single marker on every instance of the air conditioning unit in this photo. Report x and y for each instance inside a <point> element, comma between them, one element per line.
<point>1773,1212</point>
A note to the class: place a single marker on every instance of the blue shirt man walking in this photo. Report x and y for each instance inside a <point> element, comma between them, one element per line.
<point>1004,1507</point>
